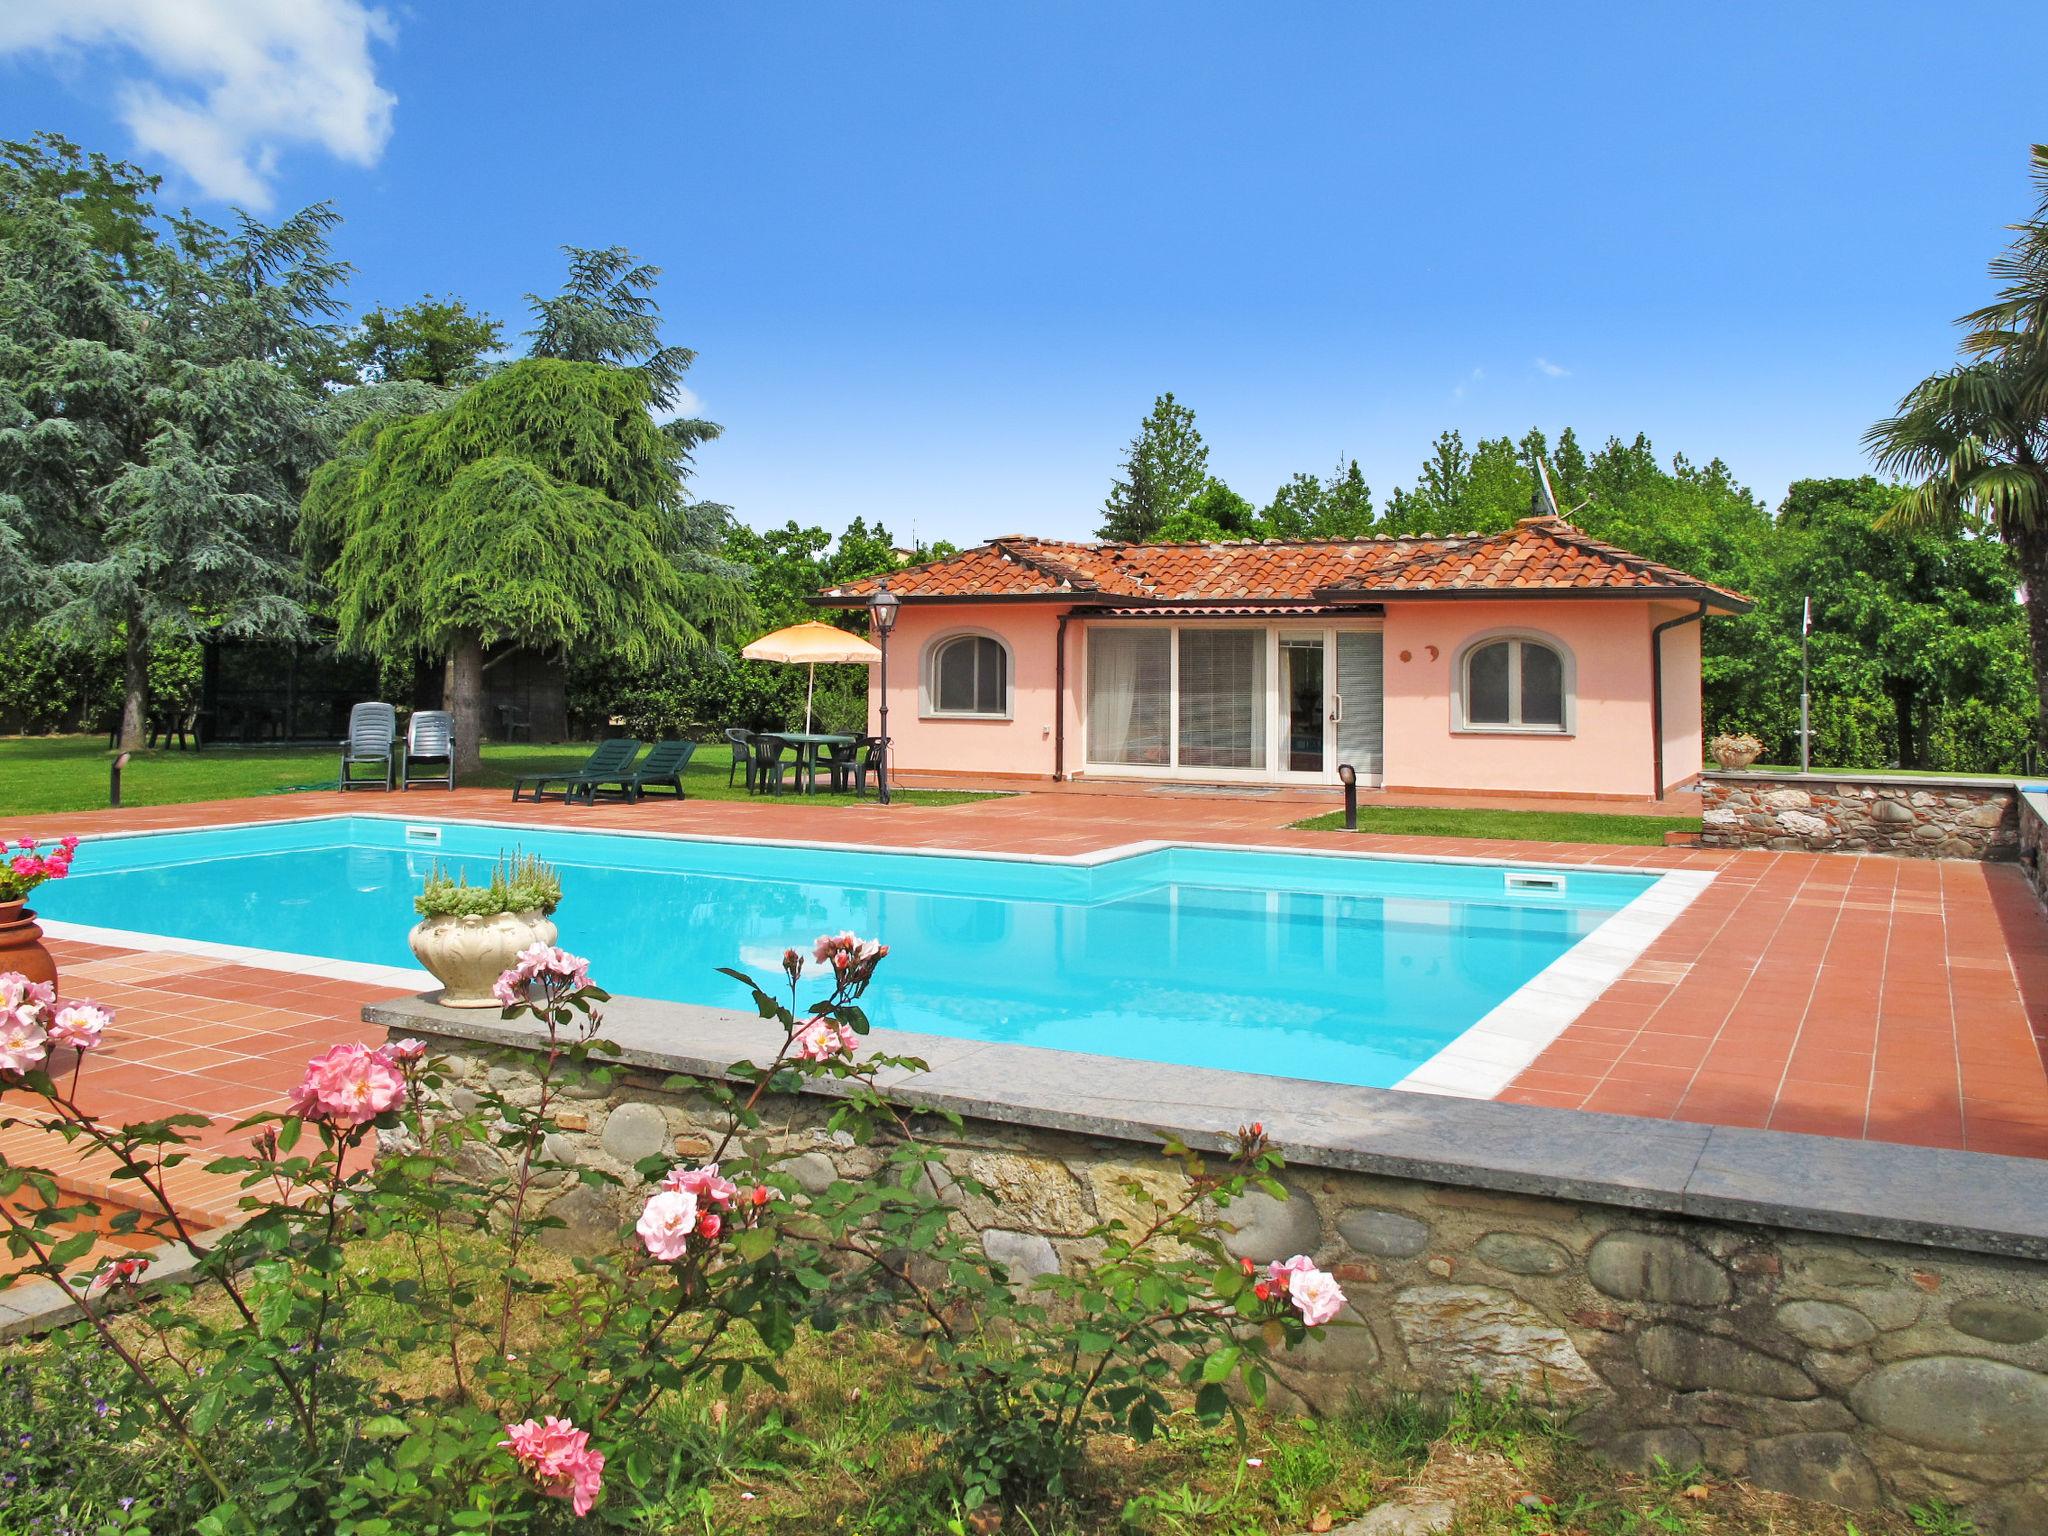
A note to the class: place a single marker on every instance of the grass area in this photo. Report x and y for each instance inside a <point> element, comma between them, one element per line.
<point>829,1452</point>
<point>1520,826</point>
<point>1882,773</point>
<point>41,774</point>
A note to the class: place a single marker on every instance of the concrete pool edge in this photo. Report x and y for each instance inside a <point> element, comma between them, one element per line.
<point>1492,1052</point>
<point>1881,1191</point>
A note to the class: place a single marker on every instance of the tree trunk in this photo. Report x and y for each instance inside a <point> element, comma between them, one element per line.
<point>135,686</point>
<point>2030,547</point>
<point>462,695</point>
<point>1903,714</point>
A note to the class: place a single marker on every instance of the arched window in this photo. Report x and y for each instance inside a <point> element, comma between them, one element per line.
<point>968,675</point>
<point>1515,683</point>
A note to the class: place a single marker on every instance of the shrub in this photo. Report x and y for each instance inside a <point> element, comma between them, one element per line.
<point>457,1388</point>
<point>521,883</point>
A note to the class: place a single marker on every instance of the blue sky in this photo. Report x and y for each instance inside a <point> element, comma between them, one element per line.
<point>938,259</point>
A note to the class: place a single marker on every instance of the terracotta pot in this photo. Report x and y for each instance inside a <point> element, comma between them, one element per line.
<point>21,944</point>
<point>468,954</point>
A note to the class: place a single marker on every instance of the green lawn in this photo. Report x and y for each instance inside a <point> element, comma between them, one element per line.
<point>1522,826</point>
<point>40,774</point>
<point>1892,773</point>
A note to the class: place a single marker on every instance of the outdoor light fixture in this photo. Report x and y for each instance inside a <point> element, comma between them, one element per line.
<point>882,613</point>
<point>1348,777</point>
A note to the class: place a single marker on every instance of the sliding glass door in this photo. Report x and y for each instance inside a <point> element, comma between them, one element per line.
<point>1130,694</point>
<point>1304,704</point>
<point>1222,698</point>
<point>1232,701</point>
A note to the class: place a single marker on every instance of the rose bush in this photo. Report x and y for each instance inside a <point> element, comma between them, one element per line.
<point>459,1384</point>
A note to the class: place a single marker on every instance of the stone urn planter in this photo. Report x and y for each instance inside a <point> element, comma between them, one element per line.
<point>21,944</point>
<point>468,953</point>
<point>1734,753</point>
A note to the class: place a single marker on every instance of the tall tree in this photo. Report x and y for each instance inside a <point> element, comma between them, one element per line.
<point>543,509</point>
<point>1925,624</point>
<point>1975,439</point>
<point>442,342</point>
<point>155,395</point>
<point>1165,469</point>
<point>607,314</point>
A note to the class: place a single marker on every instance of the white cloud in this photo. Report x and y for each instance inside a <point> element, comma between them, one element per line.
<point>687,403</point>
<point>234,80</point>
<point>1458,391</point>
<point>1552,370</point>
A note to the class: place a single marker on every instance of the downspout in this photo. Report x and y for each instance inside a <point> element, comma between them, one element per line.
<point>1059,699</point>
<point>1657,690</point>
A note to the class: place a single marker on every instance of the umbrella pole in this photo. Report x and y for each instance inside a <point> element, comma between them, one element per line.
<point>810,688</point>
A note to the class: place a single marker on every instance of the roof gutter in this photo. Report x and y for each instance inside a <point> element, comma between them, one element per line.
<point>1657,689</point>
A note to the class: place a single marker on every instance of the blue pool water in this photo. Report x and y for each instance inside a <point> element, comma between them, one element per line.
<point>1343,970</point>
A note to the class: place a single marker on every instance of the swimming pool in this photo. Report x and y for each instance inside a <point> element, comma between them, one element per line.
<point>1334,968</point>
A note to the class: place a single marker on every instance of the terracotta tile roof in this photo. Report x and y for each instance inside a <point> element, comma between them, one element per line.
<point>1538,555</point>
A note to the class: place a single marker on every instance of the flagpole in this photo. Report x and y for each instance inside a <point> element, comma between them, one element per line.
<point>1805,698</point>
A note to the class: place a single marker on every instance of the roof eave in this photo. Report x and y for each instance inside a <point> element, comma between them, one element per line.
<point>1713,597</point>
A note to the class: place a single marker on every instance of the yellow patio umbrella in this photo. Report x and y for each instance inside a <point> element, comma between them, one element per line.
<point>807,645</point>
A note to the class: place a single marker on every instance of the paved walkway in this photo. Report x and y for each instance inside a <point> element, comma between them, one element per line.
<point>1845,995</point>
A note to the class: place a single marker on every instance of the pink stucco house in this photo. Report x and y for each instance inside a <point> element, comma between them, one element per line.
<point>1536,661</point>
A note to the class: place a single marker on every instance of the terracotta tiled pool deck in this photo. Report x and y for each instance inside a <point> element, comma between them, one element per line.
<point>1842,995</point>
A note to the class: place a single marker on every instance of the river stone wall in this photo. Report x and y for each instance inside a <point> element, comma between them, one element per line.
<point>2034,842</point>
<point>1853,1371</point>
<point>1908,817</point>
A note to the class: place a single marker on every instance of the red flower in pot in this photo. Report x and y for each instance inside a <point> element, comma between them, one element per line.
<point>24,865</point>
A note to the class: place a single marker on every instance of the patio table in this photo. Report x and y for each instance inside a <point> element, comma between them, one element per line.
<point>808,744</point>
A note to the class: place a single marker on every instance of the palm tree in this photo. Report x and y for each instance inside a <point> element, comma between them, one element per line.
<point>1974,440</point>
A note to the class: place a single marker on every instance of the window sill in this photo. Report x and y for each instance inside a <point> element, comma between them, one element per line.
<point>959,714</point>
<point>1512,730</point>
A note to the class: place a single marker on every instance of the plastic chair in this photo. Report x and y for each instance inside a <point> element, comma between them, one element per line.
<point>769,766</point>
<point>429,738</point>
<point>742,755</point>
<point>372,738</point>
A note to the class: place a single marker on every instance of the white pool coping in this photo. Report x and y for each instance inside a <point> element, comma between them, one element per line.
<point>1478,1064</point>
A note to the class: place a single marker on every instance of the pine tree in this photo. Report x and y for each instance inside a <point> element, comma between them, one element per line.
<point>1165,470</point>
<point>156,384</point>
<point>542,509</point>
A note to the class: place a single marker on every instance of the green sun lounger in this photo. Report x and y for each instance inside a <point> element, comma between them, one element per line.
<point>611,763</point>
<point>662,768</point>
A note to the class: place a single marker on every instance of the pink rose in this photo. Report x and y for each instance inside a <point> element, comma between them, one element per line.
<point>1315,1295</point>
<point>350,1085</point>
<point>23,1043</point>
<point>666,1224</point>
<point>709,1225</point>
<point>705,1185</point>
<point>120,1272</point>
<point>16,989</point>
<point>401,1052</point>
<point>822,1039</point>
<point>80,1025</point>
<point>558,1457</point>
<point>569,973</point>
<point>1280,1269</point>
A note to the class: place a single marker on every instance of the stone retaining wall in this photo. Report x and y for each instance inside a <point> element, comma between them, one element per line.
<point>2033,814</point>
<point>1854,1370</point>
<point>1919,818</point>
